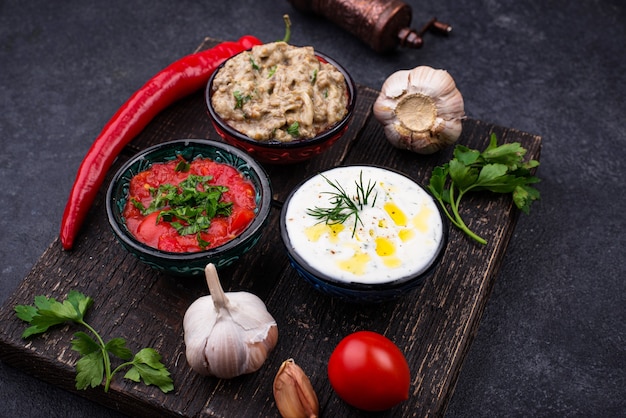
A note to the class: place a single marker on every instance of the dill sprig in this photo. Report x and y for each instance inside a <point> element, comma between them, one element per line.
<point>343,206</point>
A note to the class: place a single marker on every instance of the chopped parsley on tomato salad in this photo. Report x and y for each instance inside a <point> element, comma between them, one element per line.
<point>189,206</point>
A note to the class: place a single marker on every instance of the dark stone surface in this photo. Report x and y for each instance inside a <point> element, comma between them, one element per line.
<point>552,339</point>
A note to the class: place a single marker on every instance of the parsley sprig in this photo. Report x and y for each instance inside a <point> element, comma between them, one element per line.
<point>241,99</point>
<point>94,366</point>
<point>498,169</point>
<point>189,206</point>
<point>294,129</point>
<point>343,205</point>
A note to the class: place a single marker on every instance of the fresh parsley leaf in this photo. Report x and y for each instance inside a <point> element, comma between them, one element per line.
<point>294,129</point>
<point>117,347</point>
<point>491,174</point>
<point>254,64</point>
<point>523,196</point>
<point>201,241</point>
<point>84,344</point>
<point>498,169</point>
<point>80,301</point>
<point>190,206</point>
<point>147,366</point>
<point>90,370</point>
<point>25,312</point>
<point>150,357</point>
<point>240,99</point>
<point>94,365</point>
<point>465,155</point>
<point>47,312</point>
<point>507,154</point>
<point>463,176</point>
<point>183,166</point>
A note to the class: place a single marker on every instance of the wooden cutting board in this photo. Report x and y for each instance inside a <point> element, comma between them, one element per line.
<point>434,326</point>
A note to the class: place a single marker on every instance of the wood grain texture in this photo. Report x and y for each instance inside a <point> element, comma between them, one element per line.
<point>433,325</point>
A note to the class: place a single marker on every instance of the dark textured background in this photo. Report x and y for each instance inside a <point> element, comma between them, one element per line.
<point>552,339</point>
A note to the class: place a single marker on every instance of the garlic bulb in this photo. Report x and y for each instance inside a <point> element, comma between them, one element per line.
<point>227,334</point>
<point>293,392</point>
<point>421,109</point>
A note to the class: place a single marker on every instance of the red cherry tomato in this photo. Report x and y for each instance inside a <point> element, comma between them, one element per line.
<point>369,372</point>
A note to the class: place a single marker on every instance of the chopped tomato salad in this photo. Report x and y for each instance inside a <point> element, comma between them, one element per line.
<point>181,206</point>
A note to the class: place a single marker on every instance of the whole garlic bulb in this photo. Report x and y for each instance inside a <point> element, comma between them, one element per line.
<point>227,334</point>
<point>421,109</point>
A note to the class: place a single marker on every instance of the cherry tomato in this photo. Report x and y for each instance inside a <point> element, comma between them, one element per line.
<point>369,372</point>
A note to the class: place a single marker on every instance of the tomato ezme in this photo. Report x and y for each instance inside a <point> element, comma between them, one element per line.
<point>152,218</point>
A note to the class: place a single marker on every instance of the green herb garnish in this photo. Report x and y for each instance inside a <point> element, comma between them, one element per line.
<point>272,71</point>
<point>499,169</point>
<point>314,76</point>
<point>294,129</point>
<point>254,65</point>
<point>183,166</point>
<point>240,99</point>
<point>190,206</point>
<point>94,366</point>
<point>344,206</point>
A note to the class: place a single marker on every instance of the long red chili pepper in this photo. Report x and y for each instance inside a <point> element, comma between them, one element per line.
<point>179,79</point>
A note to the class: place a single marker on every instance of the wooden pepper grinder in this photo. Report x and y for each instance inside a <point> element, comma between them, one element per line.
<point>382,24</point>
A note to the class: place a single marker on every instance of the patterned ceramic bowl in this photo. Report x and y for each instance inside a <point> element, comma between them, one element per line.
<point>189,263</point>
<point>276,152</point>
<point>390,248</point>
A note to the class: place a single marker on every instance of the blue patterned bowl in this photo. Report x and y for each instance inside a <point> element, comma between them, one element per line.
<point>189,264</point>
<point>322,268</point>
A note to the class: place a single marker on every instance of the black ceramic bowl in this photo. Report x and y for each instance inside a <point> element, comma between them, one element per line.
<point>190,263</point>
<point>276,152</point>
<point>302,235</point>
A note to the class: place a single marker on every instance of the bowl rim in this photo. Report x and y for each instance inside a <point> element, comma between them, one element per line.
<point>127,239</point>
<point>295,144</point>
<point>358,286</point>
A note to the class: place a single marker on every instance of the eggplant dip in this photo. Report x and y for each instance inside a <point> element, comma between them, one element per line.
<point>279,92</point>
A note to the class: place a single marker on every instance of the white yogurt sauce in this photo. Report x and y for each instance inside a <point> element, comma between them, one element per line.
<point>400,235</point>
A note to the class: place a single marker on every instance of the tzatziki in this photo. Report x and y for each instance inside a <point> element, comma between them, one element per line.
<point>396,232</point>
<point>280,92</point>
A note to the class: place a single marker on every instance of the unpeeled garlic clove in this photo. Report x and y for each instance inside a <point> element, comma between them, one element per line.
<point>293,392</point>
<point>421,110</point>
<point>227,334</point>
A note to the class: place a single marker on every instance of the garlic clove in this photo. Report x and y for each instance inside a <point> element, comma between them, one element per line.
<point>196,324</point>
<point>396,85</point>
<point>225,353</point>
<point>227,334</point>
<point>293,392</point>
<point>421,109</point>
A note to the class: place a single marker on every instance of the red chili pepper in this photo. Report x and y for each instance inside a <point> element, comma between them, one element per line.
<point>179,79</point>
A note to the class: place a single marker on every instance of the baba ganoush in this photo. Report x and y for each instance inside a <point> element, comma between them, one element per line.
<point>281,92</point>
<point>398,232</point>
